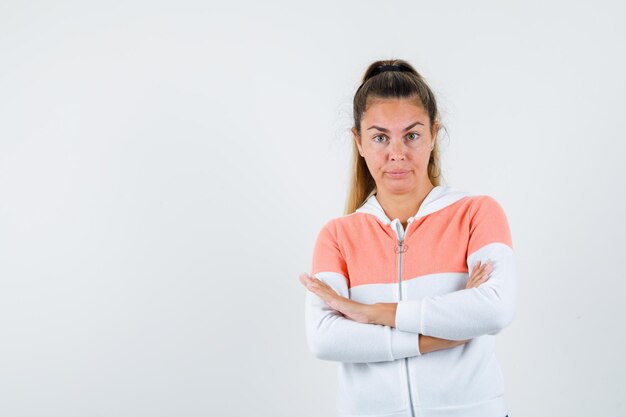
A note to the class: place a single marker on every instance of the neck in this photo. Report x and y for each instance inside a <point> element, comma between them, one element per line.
<point>403,206</point>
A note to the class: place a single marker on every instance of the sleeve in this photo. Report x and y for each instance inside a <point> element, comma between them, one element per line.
<point>472,312</point>
<point>333,337</point>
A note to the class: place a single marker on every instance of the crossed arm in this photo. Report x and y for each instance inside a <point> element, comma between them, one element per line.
<point>385,313</point>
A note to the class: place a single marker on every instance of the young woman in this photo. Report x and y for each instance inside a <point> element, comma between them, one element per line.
<point>409,287</point>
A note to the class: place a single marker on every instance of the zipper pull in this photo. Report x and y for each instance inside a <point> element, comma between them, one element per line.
<point>401,248</point>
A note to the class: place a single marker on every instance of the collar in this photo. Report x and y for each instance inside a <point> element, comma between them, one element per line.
<point>439,197</point>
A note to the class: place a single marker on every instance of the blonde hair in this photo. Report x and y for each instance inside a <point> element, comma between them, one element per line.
<point>404,82</point>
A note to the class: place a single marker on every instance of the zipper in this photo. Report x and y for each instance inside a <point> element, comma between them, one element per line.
<point>400,249</point>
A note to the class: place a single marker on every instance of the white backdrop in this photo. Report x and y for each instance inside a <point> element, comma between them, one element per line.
<point>165,168</point>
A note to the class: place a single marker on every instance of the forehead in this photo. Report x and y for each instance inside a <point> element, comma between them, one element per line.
<point>394,111</point>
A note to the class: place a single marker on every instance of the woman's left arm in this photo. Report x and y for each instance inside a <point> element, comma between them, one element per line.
<point>478,311</point>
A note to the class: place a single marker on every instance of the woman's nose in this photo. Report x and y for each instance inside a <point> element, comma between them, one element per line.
<point>396,150</point>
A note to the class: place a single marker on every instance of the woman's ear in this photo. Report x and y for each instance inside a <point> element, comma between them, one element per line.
<point>357,140</point>
<point>435,130</point>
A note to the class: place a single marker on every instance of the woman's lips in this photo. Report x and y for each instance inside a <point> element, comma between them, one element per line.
<point>397,173</point>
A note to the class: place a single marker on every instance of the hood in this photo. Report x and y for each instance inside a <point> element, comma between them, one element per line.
<point>439,197</point>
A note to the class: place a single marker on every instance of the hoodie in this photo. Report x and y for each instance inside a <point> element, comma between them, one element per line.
<point>369,258</point>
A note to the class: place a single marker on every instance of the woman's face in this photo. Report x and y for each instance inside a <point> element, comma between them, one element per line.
<point>396,142</point>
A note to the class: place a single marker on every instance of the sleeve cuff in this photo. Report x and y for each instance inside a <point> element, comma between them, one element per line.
<point>409,316</point>
<point>404,345</point>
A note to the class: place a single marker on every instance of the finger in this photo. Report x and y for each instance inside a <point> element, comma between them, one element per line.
<point>476,273</point>
<point>308,280</point>
<point>311,283</point>
<point>475,283</point>
<point>482,280</point>
<point>317,286</point>
<point>477,278</point>
<point>320,292</point>
<point>470,283</point>
<point>320,283</point>
<point>321,289</point>
<point>325,287</point>
<point>304,279</point>
<point>478,266</point>
<point>483,270</point>
<point>483,267</point>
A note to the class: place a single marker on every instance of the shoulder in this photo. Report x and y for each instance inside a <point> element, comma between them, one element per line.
<point>329,229</point>
<point>488,221</point>
<point>327,253</point>
<point>345,222</point>
<point>348,230</point>
<point>472,204</point>
<point>485,203</point>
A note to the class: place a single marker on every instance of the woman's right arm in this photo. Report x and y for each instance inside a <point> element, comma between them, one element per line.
<point>333,337</point>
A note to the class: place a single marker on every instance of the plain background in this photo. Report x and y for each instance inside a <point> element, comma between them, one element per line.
<point>165,168</point>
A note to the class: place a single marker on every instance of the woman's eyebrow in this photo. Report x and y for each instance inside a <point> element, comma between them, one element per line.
<point>382,129</point>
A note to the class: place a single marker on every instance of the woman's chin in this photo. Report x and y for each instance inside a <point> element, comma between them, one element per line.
<point>403,187</point>
<point>400,189</point>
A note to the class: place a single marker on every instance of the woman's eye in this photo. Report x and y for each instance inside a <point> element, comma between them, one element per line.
<point>379,138</point>
<point>413,136</point>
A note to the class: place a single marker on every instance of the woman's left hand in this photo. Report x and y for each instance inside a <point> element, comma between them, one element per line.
<point>363,313</point>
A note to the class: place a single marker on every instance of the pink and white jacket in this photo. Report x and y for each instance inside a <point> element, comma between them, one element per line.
<point>369,258</point>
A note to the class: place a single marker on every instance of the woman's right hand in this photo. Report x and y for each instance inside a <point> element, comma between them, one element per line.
<point>480,274</point>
